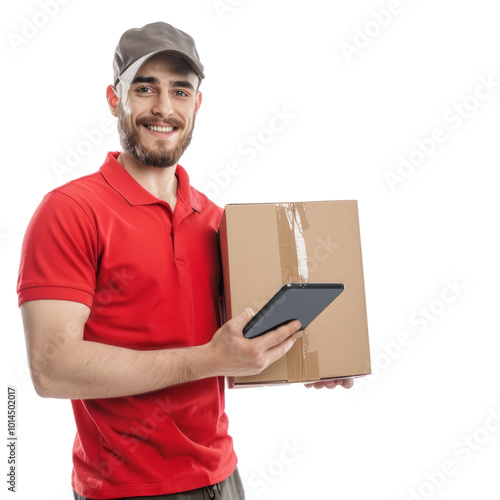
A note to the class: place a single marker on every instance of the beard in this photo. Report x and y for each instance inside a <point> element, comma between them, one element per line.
<point>163,156</point>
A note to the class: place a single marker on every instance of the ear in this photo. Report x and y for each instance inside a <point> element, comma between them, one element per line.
<point>197,101</point>
<point>112,97</point>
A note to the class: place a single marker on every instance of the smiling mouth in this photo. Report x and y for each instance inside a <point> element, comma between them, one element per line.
<point>155,128</point>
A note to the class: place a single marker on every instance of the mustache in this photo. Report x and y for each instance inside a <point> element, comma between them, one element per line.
<point>171,121</point>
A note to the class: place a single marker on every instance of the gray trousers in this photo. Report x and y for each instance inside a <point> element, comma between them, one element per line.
<point>229,489</point>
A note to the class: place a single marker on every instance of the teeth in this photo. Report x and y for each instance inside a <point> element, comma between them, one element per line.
<point>160,129</point>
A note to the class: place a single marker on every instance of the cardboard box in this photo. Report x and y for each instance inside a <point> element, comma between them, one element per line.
<point>266,245</point>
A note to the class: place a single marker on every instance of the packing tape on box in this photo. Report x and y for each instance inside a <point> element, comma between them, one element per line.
<point>291,220</point>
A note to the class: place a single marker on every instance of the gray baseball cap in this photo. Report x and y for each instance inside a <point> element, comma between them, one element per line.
<point>137,45</point>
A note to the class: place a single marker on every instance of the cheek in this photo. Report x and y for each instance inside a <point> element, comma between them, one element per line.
<point>189,118</point>
<point>126,119</point>
<point>127,110</point>
<point>124,100</point>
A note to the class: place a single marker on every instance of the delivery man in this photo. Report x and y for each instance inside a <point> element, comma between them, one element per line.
<point>118,289</point>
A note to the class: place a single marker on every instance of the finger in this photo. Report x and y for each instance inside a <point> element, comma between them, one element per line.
<point>316,385</point>
<point>331,384</point>
<point>239,321</point>
<point>347,383</point>
<point>281,349</point>
<point>276,337</point>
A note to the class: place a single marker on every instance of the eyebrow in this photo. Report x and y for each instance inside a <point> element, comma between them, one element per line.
<point>155,81</point>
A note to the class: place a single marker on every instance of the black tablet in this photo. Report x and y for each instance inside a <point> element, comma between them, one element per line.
<point>302,301</point>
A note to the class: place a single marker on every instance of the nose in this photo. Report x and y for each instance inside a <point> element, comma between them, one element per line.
<point>162,105</point>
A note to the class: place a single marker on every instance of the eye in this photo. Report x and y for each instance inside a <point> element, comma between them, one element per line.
<point>180,93</point>
<point>144,90</point>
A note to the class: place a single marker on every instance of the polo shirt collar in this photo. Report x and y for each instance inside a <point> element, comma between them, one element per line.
<point>119,179</point>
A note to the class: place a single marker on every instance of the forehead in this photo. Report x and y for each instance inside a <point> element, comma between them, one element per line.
<point>167,65</point>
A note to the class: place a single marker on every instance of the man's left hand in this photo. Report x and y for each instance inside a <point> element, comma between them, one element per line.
<point>346,383</point>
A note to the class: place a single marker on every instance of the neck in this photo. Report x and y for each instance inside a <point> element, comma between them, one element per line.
<point>160,182</point>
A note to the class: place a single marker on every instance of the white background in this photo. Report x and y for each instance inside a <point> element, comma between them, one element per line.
<point>354,117</point>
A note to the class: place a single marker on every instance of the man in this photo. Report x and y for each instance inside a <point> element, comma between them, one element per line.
<point>118,289</point>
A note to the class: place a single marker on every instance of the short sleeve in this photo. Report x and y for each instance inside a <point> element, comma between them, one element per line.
<point>59,253</point>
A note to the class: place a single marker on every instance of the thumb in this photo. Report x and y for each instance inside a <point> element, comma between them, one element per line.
<point>243,318</point>
<point>249,312</point>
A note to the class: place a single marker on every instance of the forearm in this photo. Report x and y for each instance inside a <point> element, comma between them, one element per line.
<point>63,365</point>
<point>91,370</point>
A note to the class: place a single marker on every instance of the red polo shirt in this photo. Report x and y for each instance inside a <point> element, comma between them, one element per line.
<point>151,278</point>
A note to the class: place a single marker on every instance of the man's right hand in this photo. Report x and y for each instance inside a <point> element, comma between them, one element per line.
<point>234,355</point>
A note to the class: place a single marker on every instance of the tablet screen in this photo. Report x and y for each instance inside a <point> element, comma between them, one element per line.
<point>302,301</point>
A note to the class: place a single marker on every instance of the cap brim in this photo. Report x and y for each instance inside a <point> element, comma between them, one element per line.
<point>128,75</point>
